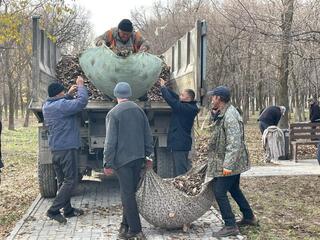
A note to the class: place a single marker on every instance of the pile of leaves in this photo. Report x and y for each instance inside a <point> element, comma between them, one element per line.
<point>201,150</point>
<point>68,69</point>
<point>190,184</point>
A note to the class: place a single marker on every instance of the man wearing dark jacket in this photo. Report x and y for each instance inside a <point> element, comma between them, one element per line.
<point>184,111</point>
<point>314,112</point>
<point>270,116</point>
<point>128,142</point>
<point>60,114</point>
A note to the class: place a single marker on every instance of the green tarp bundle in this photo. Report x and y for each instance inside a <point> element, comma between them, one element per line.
<point>105,69</point>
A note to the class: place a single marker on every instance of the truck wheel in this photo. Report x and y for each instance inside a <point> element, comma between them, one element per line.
<point>47,180</point>
<point>164,163</point>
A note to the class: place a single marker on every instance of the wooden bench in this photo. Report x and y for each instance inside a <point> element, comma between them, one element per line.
<point>303,133</point>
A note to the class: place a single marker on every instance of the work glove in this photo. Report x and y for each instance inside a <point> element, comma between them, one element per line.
<point>108,171</point>
<point>143,49</point>
<point>149,162</point>
<point>226,172</point>
<point>100,42</point>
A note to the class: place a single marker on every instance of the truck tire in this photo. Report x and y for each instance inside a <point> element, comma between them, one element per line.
<point>164,163</point>
<point>47,180</point>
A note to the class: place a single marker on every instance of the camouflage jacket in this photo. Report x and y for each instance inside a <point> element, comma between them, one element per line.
<point>227,148</point>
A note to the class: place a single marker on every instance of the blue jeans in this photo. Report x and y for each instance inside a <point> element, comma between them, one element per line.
<point>222,185</point>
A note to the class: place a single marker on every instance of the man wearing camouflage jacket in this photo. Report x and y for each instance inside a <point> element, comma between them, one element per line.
<point>228,158</point>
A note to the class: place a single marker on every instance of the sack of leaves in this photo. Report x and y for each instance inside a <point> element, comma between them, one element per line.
<point>172,203</point>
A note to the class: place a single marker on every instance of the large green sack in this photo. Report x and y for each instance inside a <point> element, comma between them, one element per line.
<point>105,69</point>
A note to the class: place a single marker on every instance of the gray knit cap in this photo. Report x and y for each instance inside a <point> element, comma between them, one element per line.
<point>122,90</point>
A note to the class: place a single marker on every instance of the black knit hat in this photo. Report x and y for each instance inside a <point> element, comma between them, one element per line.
<point>221,91</point>
<point>125,25</point>
<point>54,89</point>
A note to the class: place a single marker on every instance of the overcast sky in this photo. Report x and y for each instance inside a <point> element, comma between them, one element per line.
<point>107,14</point>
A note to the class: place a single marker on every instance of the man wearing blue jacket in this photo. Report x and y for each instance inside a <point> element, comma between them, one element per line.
<point>184,111</point>
<point>60,114</point>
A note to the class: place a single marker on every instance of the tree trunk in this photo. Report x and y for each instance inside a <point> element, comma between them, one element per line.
<point>287,18</point>
<point>11,91</point>
<point>22,106</point>
<point>27,115</point>
<point>5,102</point>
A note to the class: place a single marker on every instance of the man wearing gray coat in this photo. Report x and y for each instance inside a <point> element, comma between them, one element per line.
<point>128,141</point>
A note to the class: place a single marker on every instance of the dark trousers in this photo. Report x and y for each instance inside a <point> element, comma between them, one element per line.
<point>181,162</point>
<point>263,126</point>
<point>129,177</point>
<point>65,167</point>
<point>231,184</point>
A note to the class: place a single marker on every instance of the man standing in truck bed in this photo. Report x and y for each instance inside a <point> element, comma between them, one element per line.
<point>123,38</point>
<point>60,114</point>
<point>184,111</point>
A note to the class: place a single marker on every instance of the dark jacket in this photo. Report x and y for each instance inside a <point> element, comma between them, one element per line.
<point>271,115</point>
<point>183,115</point>
<point>314,113</point>
<point>61,118</point>
<point>128,135</point>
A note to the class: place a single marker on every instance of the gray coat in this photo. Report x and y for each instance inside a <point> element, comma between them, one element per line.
<point>128,135</point>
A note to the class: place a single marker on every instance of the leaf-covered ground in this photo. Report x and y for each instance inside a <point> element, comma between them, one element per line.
<point>18,186</point>
<point>288,207</point>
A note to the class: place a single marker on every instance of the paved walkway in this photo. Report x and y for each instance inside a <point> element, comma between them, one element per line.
<point>101,202</point>
<point>285,168</point>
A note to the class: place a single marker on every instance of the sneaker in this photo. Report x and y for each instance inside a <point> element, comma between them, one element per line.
<point>226,231</point>
<point>57,217</point>
<point>74,213</point>
<point>135,236</point>
<point>123,231</point>
<point>248,222</point>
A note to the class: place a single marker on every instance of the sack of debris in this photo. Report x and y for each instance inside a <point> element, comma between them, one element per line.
<point>105,69</point>
<point>172,203</point>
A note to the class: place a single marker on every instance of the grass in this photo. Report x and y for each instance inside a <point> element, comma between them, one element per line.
<point>19,178</point>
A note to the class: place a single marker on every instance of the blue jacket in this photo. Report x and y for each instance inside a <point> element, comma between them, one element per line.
<point>61,118</point>
<point>183,115</point>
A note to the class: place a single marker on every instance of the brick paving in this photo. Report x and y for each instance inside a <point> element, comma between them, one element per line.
<point>101,202</point>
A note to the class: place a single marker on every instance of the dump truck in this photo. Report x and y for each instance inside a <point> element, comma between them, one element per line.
<point>187,59</point>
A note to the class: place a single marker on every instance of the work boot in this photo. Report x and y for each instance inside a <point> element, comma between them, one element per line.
<point>135,236</point>
<point>248,222</point>
<point>75,212</point>
<point>57,217</point>
<point>226,231</point>
<point>123,231</point>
